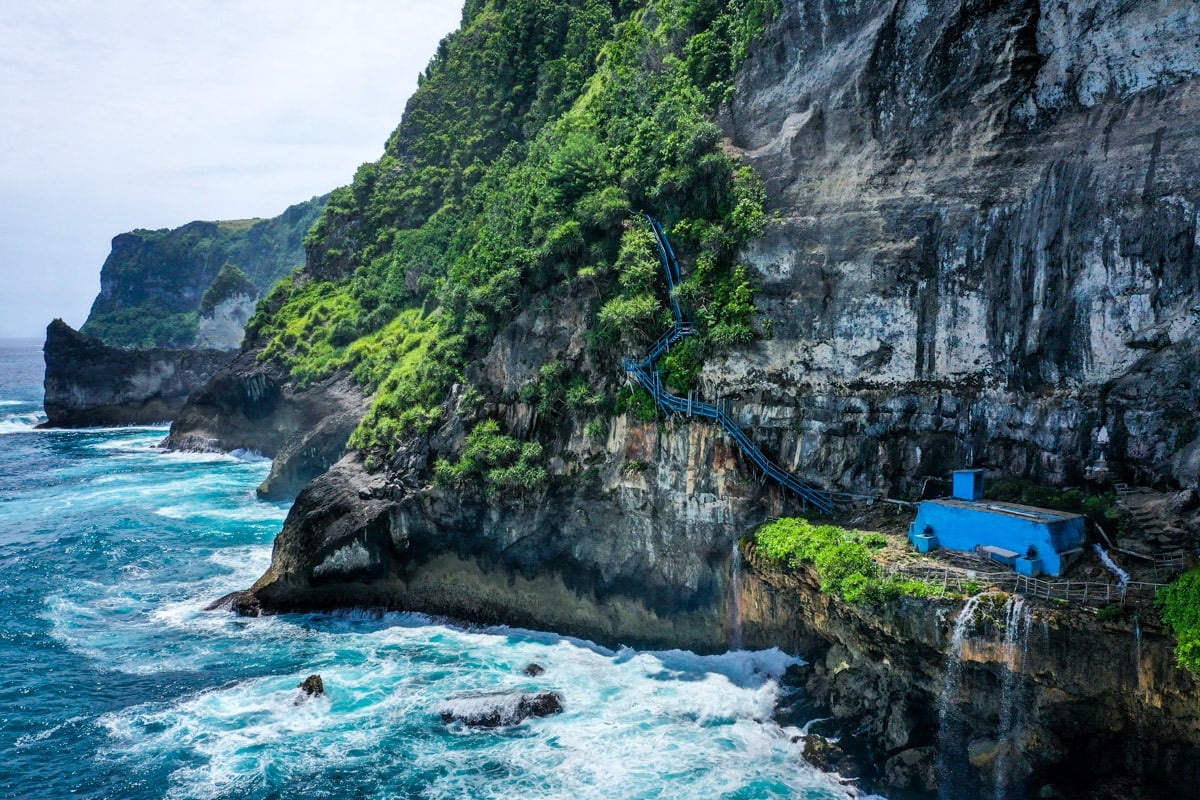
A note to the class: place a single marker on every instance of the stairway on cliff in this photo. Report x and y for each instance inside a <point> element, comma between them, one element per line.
<point>1163,527</point>
<point>646,373</point>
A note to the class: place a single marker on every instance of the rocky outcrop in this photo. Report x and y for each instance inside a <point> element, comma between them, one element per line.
<point>253,405</point>
<point>89,383</point>
<point>1088,701</point>
<point>629,542</point>
<point>496,709</point>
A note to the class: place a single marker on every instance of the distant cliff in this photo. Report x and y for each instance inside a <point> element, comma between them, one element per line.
<point>154,283</point>
<point>89,383</point>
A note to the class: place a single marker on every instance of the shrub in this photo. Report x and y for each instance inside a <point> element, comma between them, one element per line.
<point>499,460</point>
<point>842,559</point>
<point>1179,604</point>
<point>230,282</point>
<point>637,403</point>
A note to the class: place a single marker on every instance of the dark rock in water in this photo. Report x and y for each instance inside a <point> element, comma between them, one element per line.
<point>496,709</point>
<point>533,670</point>
<point>90,383</point>
<point>313,685</point>
<point>242,603</point>
<point>246,605</point>
<point>822,753</point>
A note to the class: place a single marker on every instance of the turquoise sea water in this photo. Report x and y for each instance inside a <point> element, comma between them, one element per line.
<point>115,683</point>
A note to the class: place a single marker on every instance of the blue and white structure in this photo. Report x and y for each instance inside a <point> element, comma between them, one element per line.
<point>1034,541</point>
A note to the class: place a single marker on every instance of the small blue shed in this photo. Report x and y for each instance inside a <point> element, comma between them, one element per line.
<point>1033,541</point>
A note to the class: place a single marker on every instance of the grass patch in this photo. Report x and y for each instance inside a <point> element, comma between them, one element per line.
<point>842,559</point>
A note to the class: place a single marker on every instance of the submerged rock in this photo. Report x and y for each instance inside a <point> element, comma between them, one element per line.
<point>496,709</point>
<point>822,753</point>
<point>533,670</point>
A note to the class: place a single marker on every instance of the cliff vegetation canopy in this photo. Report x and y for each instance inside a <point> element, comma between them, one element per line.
<point>537,131</point>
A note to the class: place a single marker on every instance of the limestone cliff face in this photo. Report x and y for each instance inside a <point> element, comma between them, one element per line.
<point>224,327</point>
<point>89,383</point>
<point>986,242</point>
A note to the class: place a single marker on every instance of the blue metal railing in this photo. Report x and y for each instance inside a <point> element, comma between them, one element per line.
<point>645,373</point>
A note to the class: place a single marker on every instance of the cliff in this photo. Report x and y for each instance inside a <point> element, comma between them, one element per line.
<point>253,405</point>
<point>974,242</point>
<point>90,383</point>
<point>973,268</point>
<point>154,281</point>
<point>1034,695</point>
<point>987,239</point>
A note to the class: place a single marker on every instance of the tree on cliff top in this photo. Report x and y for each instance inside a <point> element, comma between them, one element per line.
<point>230,282</point>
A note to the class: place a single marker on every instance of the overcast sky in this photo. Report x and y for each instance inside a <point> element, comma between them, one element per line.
<point>122,114</point>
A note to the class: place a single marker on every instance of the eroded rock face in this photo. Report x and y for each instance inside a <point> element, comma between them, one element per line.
<point>986,241</point>
<point>225,327</point>
<point>253,405</point>
<point>89,383</point>
<point>1073,701</point>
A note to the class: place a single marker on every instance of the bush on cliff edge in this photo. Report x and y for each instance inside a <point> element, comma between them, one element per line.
<point>1179,604</point>
<point>841,557</point>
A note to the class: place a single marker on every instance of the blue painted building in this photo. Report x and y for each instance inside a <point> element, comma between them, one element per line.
<point>1034,541</point>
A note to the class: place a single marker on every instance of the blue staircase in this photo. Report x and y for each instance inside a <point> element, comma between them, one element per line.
<point>646,373</point>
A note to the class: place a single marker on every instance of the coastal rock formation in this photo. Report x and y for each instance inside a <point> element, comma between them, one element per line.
<point>89,383</point>
<point>982,246</point>
<point>1087,699</point>
<point>496,709</point>
<point>986,241</point>
<point>253,405</point>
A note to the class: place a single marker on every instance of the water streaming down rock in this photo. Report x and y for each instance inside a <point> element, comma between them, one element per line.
<point>951,772</point>
<point>735,598</point>
<point>1009,770</point>
<point>1139,722</point>
<point>1105,559</point>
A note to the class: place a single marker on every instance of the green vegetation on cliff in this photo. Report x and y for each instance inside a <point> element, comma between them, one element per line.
<point>842,559</point>
<point>153,284</point>
<point>536,132</point>
<point>230,282</point>
<point>1179,604</point>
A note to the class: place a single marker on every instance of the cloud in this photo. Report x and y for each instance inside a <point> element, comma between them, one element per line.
<point>131,113</point>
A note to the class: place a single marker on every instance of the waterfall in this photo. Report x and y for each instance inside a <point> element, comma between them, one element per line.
<point>735,598</point>
<point>1139,724</point>
<point>950,742</point>
<point>1106,560</point>
<point>1017,622</point>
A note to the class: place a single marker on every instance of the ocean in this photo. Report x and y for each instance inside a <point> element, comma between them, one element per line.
<point>116,683</point>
